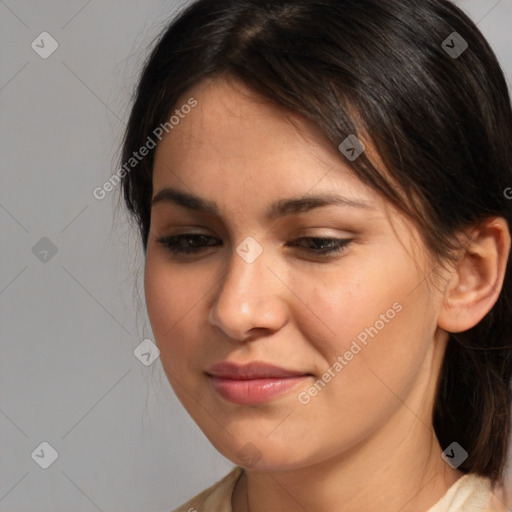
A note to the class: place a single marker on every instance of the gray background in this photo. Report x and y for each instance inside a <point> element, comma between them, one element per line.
<point>69,325</point>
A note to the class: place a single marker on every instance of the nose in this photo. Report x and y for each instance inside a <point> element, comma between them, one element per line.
<point>250,300</point>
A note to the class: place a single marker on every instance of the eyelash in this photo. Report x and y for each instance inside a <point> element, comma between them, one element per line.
<point>172,244</point>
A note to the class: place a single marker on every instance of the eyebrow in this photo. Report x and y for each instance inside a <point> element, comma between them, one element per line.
<point>277,209</point>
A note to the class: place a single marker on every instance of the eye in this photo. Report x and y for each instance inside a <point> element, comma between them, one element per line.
<point>191,243</point>
<point>322,246</point>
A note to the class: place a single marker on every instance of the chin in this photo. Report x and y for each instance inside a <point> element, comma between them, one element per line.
<point>262,454</point>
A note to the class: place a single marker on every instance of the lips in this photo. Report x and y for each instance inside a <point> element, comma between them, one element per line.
<point>252,383</point>
<point>251,371</point>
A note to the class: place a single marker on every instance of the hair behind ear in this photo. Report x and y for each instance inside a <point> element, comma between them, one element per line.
<point>473,400</point>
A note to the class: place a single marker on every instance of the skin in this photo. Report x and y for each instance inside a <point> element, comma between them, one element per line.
<point>365,442</point>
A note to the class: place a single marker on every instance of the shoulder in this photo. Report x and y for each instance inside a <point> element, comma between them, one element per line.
<point>217,498</point>
<point>471,493</point>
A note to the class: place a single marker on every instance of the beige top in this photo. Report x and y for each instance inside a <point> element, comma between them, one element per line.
<point>470,493</point>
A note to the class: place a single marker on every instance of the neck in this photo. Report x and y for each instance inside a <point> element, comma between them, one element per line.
<point>409,476</point>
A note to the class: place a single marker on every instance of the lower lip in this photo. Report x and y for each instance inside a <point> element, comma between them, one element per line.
<point>254,391</point>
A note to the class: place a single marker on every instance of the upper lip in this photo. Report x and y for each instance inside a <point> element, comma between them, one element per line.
<point>254,370</point>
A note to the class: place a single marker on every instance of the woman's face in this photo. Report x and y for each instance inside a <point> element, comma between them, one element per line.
<point>353,332</point>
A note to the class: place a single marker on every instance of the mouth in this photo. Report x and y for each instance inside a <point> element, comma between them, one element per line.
<point>253,383</point>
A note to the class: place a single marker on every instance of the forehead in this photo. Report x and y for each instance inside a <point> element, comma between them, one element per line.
<point>234,135</point>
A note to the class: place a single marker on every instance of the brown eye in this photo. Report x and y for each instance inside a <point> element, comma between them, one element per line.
<point>187,243</point>
<point>322,245</point>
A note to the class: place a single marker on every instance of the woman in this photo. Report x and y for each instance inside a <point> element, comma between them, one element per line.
<point>327,236</point>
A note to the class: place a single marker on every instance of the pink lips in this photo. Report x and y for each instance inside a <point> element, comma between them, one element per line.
<point>252,383</point>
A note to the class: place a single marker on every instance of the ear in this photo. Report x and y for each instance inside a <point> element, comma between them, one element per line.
<point>475,282</point>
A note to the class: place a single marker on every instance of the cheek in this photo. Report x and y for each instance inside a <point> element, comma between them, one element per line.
<point>340,305</point>
<point>377,319</point>
<point>171,298</point>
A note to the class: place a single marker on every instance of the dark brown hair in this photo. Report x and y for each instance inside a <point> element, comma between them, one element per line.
<point>441,122</point>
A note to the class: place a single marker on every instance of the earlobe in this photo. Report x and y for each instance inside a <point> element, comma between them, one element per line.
<point>475,282</point>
